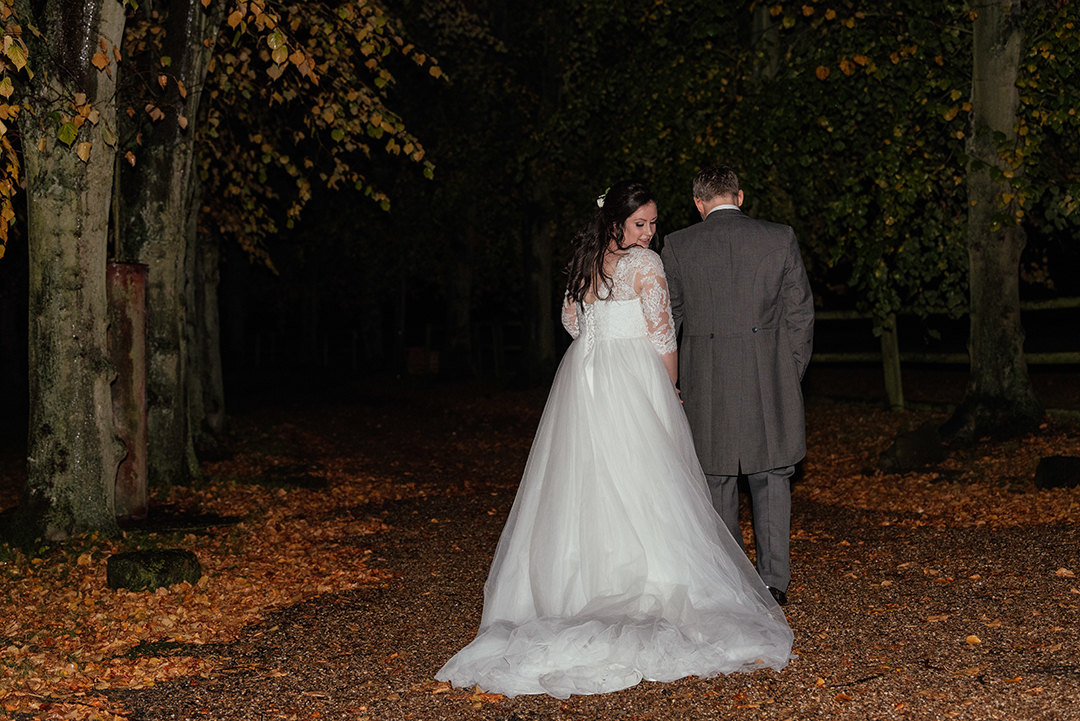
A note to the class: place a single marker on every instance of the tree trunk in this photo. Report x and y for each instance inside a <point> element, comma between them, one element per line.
<point>766,40</point>
<point>73,450</point>
<point>209,406</point>
<point>999,400</point>
<point>158,229</point>
<point>458,358</point>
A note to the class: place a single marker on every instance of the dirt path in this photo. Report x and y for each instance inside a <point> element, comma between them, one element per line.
<point>894,617</point>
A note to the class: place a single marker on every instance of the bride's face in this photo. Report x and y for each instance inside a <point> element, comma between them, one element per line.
<point>640,227</point>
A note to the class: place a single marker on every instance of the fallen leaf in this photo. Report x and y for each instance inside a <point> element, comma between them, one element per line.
<point>972,640</point>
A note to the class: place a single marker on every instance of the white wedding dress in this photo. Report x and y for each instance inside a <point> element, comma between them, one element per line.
<point>613,565</point>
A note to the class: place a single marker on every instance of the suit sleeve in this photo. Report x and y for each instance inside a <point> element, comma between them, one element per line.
<point>798,302</point>
<point>674,284</point>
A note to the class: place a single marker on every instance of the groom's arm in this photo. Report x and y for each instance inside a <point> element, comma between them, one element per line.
<point>798,300</point>
<point>674,281</point>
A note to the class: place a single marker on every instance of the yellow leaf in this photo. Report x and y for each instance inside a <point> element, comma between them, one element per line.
<point>235,18</point>
<point>436,71</point>
<point>830,14</point>
<point>83,151</point>
<point>163,80</point>
<point>130,157</point>
<point>1006,198</point>
<point>17,55</point>
<point>41,145</point>
<point>182,122</point>
<point>84,559</point>
<point>807,10</point>
<point>182,89</point>
<point>297,58</point>
<point>80,99</point>
<point>822,72</point>
<point>1064,573</point>
<point>951,113</point>
<point>6,88</point>
<point>972,640</point>
<point>100,61</point>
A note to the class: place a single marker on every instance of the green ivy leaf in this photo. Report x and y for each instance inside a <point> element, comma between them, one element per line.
<point>67,133</point>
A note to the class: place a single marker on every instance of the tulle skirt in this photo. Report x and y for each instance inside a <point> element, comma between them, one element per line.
<point>613,565</point>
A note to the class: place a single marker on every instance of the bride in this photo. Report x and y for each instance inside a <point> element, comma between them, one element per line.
<point>613,565</point>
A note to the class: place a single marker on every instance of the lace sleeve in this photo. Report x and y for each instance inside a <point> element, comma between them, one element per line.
<point>651,286</point>
<point>569,316</point>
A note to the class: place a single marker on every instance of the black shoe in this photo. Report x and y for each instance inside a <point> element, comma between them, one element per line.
<point>780,596</point>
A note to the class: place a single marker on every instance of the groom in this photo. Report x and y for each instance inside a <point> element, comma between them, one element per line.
<point>739,293</point>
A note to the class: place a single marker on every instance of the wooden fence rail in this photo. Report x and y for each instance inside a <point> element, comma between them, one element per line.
<point>891,358</point>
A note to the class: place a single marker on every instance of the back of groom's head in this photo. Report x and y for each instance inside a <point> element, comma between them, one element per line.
<point>715,181</point>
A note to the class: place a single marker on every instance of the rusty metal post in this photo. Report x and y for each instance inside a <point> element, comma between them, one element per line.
<point>127,352</point>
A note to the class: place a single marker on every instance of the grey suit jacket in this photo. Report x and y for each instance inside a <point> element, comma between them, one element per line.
<point>740,294</point>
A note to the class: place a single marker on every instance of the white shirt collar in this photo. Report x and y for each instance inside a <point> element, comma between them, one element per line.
<point>722,206</point>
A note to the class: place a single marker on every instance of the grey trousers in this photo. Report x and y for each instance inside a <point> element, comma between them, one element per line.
<point>770,492</point>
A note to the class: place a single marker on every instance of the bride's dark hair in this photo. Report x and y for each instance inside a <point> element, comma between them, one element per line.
<point>590,245</point>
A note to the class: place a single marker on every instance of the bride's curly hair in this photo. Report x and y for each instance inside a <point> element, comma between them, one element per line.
<point>591,243</point>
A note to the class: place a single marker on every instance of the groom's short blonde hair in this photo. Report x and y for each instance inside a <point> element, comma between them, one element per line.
<point>715,181</point>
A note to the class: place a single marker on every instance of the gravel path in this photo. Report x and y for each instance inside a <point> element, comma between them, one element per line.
<point>890,622</point>
<point>886,622</point>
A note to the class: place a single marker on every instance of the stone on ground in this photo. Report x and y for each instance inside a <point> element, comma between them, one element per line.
<point>150,569</point>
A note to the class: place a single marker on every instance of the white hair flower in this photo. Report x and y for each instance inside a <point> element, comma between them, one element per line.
<point>601,198</point>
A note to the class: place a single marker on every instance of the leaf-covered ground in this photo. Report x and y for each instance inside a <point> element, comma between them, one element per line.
<point>365,520</point>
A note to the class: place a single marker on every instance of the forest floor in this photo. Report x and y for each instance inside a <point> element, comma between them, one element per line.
<point>345,538</point>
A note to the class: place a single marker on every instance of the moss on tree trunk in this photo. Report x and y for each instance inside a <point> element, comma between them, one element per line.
<point>158,217</point>
<point>73,451</point>
<point>999,400</point>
